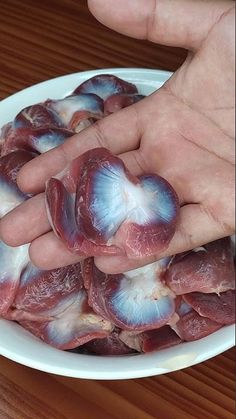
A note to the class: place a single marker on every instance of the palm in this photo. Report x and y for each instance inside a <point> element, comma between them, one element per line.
<point>184,132</point>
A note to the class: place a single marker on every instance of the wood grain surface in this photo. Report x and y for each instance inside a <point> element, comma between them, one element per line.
<point>44,39</point>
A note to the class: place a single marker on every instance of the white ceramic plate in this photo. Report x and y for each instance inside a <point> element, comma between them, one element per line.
<point>20,346</point>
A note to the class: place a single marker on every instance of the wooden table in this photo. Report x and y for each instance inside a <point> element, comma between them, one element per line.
<point>44,39</point>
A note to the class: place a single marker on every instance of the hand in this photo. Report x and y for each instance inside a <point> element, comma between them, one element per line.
<point>184,131</point>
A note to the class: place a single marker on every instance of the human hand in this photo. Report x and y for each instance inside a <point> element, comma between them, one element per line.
<point>183,132</point>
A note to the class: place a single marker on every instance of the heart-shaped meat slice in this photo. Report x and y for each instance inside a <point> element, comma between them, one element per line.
<point>105,85</point>
<point>138,215</point>
<point>209,269</point>
<point>77,111</point>
<point>37,116</point>
<point>38,140</point>
<point>12,261</point>
<point>113,209</point>
<point>151,340</point>
<point>219,308</point>
<point>135,300</point>
<point>73,323</point>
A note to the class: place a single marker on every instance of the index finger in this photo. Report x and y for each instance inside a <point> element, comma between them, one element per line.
<point>118,132</point>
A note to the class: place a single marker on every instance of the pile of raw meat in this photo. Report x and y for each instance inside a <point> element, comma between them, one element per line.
<point>96,207</point>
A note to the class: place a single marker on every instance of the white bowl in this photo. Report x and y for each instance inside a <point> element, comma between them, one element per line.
<point>20,346</point>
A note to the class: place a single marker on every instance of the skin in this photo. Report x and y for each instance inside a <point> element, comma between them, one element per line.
<point>184,132</point>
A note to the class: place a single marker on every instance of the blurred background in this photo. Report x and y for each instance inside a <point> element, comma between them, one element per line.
<point>47,38</point>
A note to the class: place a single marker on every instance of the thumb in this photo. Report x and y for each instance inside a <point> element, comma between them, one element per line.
<point>180,23</point>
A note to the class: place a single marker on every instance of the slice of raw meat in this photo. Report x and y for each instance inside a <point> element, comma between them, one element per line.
<point>110,345</point>
<point>119,101</point>
<point>77,109</point>
<point>191,326</point>
<point>138,216</point>
<point>220,308</point>
<point>12,163</point>
<point>3,134</point>
<point>12,262</point>
<point>209,269</point>
<point>135,300</point>
<point>10,194</point>
<point>37,116</point>
<point>38,140</point>
<point>53,306</point>
<point>105,85</point>
<point>41,291</point>
<point>151,340</point>
<point>61,214</point>
<point>73,323</point>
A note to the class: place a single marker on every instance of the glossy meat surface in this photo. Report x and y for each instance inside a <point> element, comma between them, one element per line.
<point>106,85</point>
<point>110,207</point>
<point>209,269</point>
<point>220,308</point>
<point>38,140</point>
<point>97,207</point>
<point>135,300</point>
<point>151,340</point>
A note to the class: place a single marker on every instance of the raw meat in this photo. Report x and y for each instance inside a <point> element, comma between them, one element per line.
<point>41,291</point>
<point>38,140</point>
<point>220,308</point>
<point>135,300</point>
<point>119,101</point>
<point>36,116</point>
<point>12,260</point>
<point>51,304</point>
<point>3,133</point>
<point>208,269</point>
<point>111,345</point>
<point>112,207</point>
<point>97,207</point>
<point>192,326</point>
<point>72,323</point>
<point>151,340</point>
<point>105,85</point>
<point>61,214</point>
<point>77,111</point>
<point>10,194</point>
